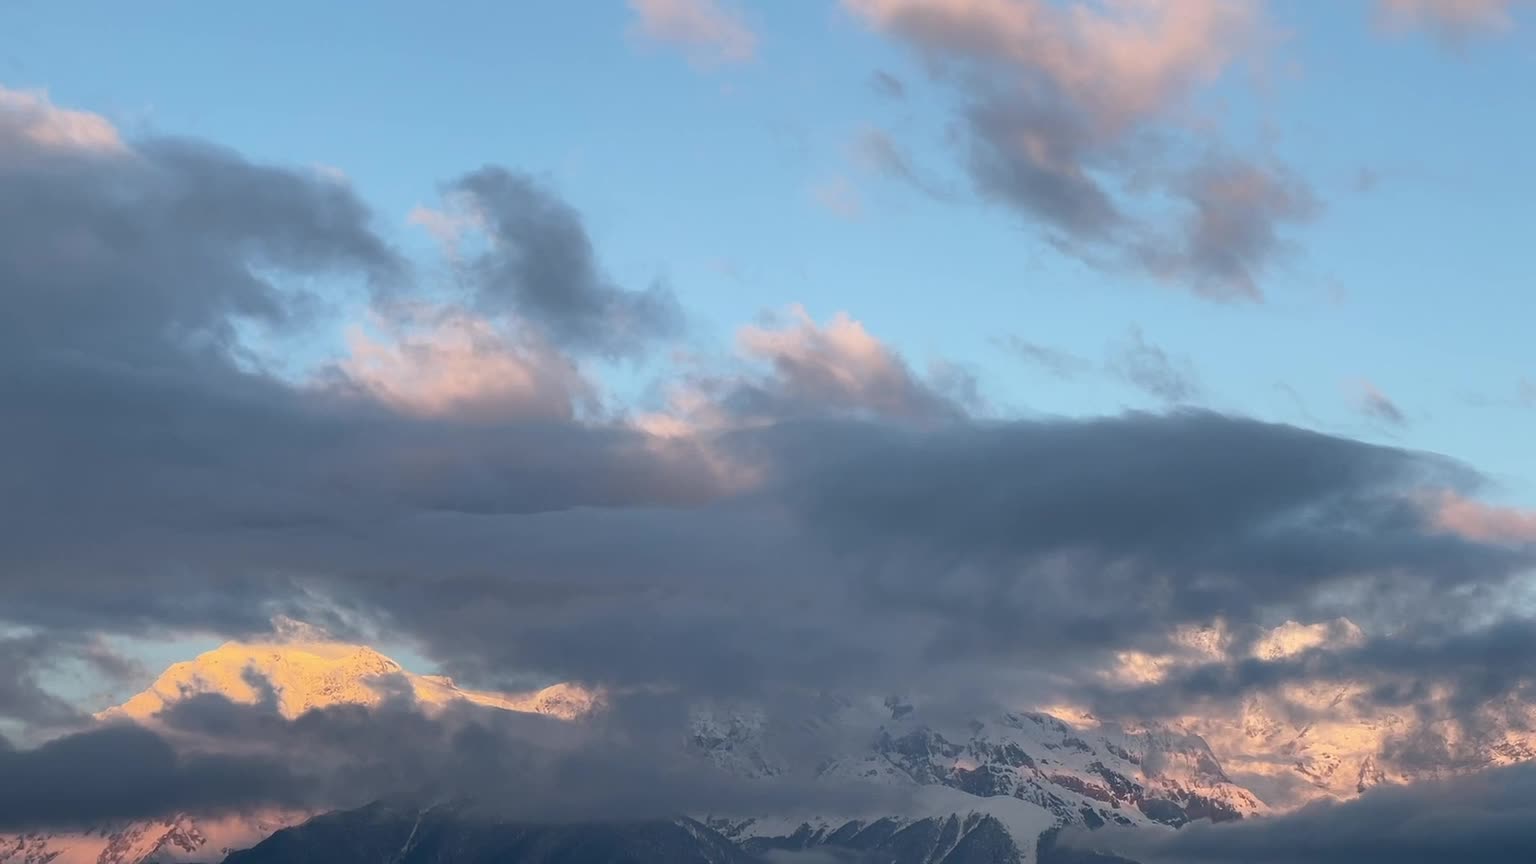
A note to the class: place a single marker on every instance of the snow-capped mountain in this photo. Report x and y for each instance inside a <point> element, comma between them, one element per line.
<point>301,675</point>
<point>1027,771</point>
<point>317,674</point>
<point>175,838</point>
<point>966,783</point>
<point>1331,739</point>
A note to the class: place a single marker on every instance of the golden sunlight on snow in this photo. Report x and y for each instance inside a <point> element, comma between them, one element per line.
<point>315,674</point>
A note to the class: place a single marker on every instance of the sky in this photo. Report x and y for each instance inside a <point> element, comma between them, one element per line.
<point>691,343</point>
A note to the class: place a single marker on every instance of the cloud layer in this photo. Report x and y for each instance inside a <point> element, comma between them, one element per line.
<point>811,513</point>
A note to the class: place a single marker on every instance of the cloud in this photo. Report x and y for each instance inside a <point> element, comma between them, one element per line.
<point>1451,20</point>
<point>447,363</point>
<point>1131,359</point>
<point>25,658</point>
<point>1233,231</point>
<point>540,266</point>
<point>1475,519</point>
<point>1059,105</point>
<point>1481,819</point>
<point>810,512</point>
<point>879,151</point>
<point>31,118</point>
<point>1378,406</point>
<point>1062,364</point>
<point>1148,368</point>
<point>707,30</point>
<point>800,369</point>
<point>887,85</point>
<point>207,756</point>
<point>839,197</point>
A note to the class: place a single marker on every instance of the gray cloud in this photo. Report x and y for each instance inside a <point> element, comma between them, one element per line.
<point>1062,364</point>
<point>1148,368</point>
<point>1478,667</point>
<point>880,151</point>
<point>999,535</point>
<point>540,265</point>
<point>1489,818</point>
<point>1065,124</point>
<point>887,85</point>
<point>628,764</point>
<point>1379,406</point>
<point>1454,22</point>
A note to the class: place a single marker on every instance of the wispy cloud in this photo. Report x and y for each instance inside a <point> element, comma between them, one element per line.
<point>1058,362</point>
<point>1151,370</point>
<point>1453,21</point>
<point>1377,405</point>
<point>839,197</point>
<point>887,85</point>
<point>707,30</point>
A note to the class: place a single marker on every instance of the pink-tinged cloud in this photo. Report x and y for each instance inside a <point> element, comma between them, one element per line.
<point>1479,521</point>
<point>1451,19</point>
<point>797,367</point>
<point>1124,59</point>
<point>31,117</point>
<point>708,31</point>
<point>838,365</point>
<point>448,363</point>
<point>1056,97</point>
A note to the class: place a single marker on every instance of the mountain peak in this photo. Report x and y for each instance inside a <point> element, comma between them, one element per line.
<point>307,673</point>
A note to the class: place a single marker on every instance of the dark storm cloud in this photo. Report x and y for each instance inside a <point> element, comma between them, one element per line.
<point>1029,155</point>
<point>28,659</point>
<point>1050,535</point>
<point>540,264</point>
<point>1486,818</point>
<point>1237,213</point>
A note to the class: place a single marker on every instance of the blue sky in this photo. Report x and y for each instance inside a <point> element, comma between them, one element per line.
<point>1412,274</point>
